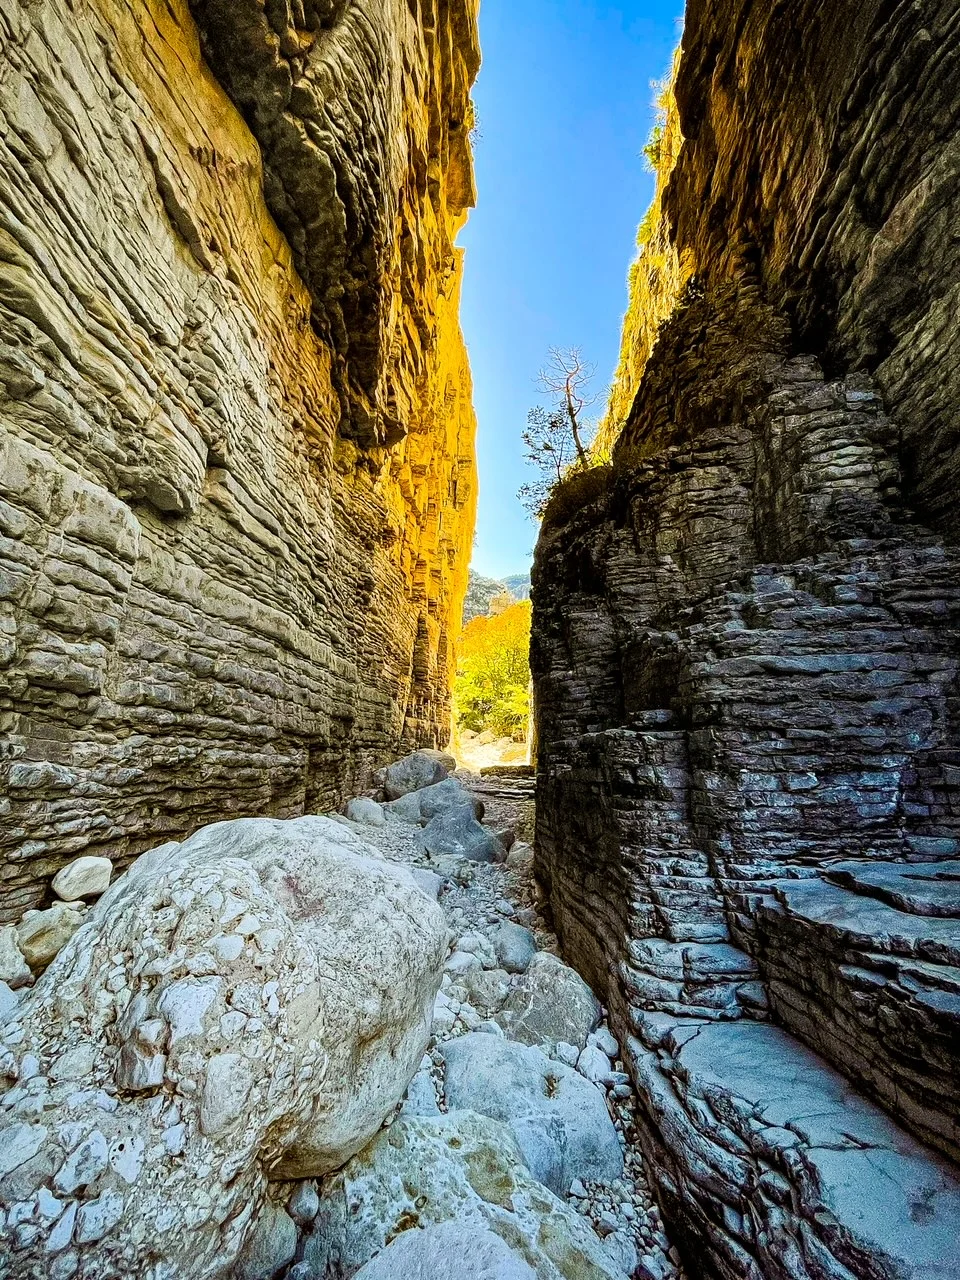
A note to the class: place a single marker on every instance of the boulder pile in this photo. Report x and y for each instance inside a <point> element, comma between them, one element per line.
<point>312,1050</point>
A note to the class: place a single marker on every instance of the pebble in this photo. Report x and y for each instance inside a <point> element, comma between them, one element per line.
<point>477,899</point>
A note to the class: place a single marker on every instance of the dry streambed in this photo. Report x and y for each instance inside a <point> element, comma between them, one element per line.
<point>205,1060</point>
<point>519,1038</point>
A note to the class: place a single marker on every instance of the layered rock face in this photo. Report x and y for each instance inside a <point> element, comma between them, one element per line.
<point>237,481</point>
<point>746,646</point>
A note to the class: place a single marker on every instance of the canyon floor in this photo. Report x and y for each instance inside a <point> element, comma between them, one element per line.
<point>481,901</point>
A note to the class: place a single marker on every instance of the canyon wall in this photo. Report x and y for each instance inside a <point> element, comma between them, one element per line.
<point>747,644</point>
<point>237,484</point>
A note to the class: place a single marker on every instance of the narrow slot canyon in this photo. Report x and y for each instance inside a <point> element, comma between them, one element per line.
<point>374,903</point>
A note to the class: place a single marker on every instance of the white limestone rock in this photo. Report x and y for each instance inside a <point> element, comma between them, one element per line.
<point>14,970</point>
<point>460,1168</point>
<point>245,1007</point>
<point>365,811</point>
<point>449,1249</point>
<point>560,1121</point>
<point>594,1064</point>
<point>86,877</point>
<point>43,934</point>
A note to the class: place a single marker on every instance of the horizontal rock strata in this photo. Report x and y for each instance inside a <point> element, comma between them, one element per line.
<point>746,648</point>
<point>235,491</point>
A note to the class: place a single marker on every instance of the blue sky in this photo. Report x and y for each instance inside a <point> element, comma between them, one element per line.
<point>565,105</point>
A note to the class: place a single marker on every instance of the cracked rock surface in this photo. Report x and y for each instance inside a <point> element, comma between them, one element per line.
<point>247,1006</point>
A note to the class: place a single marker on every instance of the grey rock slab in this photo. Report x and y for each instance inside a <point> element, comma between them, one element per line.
<point>891,1197</point>
<point>456,831</point>
<point>450,1249</point>
<point>365,811</point>
<point>514,947</point>
<point>923,889</point>
<point>415,771</point>
<point>869,921</point>
<point>559,1119</point>
<point>549,1004</point>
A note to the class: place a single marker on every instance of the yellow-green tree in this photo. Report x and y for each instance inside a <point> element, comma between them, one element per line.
<point>493,673</point>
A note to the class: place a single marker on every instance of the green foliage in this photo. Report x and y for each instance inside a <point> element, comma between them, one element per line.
<point>647,227</point>
<point>492,688</point>
<point>654,148</point>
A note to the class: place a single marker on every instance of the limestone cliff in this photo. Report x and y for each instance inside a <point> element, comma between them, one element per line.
<point>238,484</point>
<point>747,644</point>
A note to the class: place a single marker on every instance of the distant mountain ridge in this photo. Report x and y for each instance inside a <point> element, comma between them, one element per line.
<point>518,584</point>
<point>482,591</point>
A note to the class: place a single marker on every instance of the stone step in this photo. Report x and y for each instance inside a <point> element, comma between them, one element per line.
<point>768,1162</point>
<point>873,988</point>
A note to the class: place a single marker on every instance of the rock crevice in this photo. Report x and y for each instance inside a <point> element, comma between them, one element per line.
<point>746,652</point>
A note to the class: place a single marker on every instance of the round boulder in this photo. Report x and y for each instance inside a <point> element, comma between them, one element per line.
<point>86,877</point>
<point>467,1251</point>
<point>418,770</point>
<point>244,1008</point>
<point>559,1119</point>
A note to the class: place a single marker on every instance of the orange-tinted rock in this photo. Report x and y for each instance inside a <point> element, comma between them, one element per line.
<point>237,526</point>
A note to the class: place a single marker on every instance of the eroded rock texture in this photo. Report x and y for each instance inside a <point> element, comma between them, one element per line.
<point>746,647</point>
<point>243,1008</point>
<point>236,462</point>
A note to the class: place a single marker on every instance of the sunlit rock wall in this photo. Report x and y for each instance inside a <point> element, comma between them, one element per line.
<point>237,484</point>
<point>746,652</point>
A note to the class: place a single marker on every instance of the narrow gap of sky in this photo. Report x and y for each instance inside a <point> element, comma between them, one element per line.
<point>565,105</point>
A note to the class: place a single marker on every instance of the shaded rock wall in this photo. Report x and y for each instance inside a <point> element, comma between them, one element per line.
<point>746,651</point>
<point>237,491</point>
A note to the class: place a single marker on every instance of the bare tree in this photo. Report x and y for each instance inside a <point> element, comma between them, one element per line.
<point>567,376</point>
<point>555,436</point>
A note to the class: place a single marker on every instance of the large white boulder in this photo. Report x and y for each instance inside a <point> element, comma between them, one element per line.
<point>249,1005</point>
<point>559,1119</point>
<point>461,1168</point>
